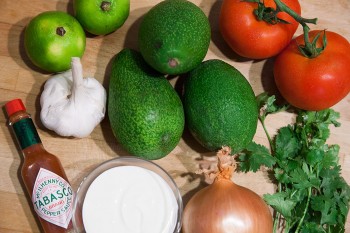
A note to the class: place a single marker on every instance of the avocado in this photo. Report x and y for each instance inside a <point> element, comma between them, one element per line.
<point>220,106</point>
<point>174,36</point>
<point>144,110</point>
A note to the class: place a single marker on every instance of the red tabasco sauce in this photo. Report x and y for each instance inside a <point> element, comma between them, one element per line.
<point>42,172</point>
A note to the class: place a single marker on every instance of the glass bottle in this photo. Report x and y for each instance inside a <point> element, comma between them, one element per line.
<point>42,173</point>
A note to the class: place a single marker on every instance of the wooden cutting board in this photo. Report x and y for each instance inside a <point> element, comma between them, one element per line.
<point>20,79</point>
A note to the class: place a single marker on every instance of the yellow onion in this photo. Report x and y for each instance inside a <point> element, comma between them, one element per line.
<point>225,207</point>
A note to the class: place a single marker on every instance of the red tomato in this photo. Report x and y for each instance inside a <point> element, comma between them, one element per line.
<point>314,83</point>
<point>251,38</point>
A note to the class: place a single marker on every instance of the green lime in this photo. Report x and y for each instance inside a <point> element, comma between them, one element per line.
<point>52,38</point>
<point>100,17</point>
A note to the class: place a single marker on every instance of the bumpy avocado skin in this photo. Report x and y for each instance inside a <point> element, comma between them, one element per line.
<point>220,106</point>
<point>145,112</point>
<point>174,36</point>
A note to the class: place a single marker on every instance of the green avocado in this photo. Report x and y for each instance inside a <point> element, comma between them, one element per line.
<point>174,36</point>
<point>220,106</point>
<point>145,111</point>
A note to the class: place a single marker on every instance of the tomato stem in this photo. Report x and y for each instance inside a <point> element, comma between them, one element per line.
<point>310,49</point>
<point>269,15</point>
<point>283,7</point>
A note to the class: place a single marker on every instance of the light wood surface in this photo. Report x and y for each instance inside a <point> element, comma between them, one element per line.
<point>20,79</point>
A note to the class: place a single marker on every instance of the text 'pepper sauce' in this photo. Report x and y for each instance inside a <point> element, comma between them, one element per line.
<point>42,172</point>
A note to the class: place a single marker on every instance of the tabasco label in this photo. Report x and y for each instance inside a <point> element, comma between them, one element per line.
<point>53,198</point>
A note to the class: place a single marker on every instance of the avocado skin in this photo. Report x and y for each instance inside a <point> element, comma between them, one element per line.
<point>174,29</point>
<point>145,112</point>
<point>220,106</point>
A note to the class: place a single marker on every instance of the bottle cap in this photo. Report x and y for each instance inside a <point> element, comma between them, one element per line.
<point>14,106</point>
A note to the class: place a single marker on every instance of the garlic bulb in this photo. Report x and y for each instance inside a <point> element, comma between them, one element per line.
<point>72,105</point>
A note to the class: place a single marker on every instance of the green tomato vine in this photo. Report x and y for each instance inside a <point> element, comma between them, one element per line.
<point>269,15</point>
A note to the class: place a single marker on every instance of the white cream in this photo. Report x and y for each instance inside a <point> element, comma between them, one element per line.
<point>129,199</point>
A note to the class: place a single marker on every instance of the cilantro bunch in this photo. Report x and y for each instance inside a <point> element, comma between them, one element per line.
<point>311,195</point>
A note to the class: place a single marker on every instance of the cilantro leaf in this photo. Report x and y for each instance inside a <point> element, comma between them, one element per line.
<point>281,203</point>
<point>312,196</point>
<point>255,156</point>
<point>286,143</point>
<point>267,105</point>
<point>312,227</point>
<point>281,176</point>
<point>303,180</point>
<point>331,156</point>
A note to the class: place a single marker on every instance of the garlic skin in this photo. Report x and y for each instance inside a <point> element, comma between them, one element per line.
<point>72,105</point>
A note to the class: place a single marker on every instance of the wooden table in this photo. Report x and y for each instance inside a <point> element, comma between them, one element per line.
<point>20,79</point>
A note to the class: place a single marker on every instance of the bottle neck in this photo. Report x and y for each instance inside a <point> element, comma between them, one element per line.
<point>24,130</point>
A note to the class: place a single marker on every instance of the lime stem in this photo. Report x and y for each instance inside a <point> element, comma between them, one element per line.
<point>105,6</point>
<point>60,31</point>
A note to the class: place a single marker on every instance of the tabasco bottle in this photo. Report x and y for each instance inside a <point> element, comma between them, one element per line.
<point>42,173</point>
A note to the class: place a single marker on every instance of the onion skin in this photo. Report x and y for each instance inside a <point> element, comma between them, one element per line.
<point>225,207</point>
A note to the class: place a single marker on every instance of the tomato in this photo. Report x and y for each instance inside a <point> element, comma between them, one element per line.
<point>251,38</point>
<point>314,83</point>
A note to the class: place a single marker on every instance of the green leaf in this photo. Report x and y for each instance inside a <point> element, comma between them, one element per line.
<point>281,203</point>
<point>333,200</point>
<point>311,227</point>
<point>337,229</point>
<point>328,116</point>
<point>255,156</point>
<point>305,169</point>
<point>287,144</point>
<point>302,180</point>
<point>331,157</point>
<point>267,104</point>
<point>299,195</point>
<point>313,127</point>
<point>330,181</point>
<point>281,176</point>
<point>314,156</point>
<point>327,207</point>
<point>320,203</point>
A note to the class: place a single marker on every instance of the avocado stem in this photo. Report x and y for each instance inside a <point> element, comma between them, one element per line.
<point>173,62</point>
<point>60,31</point>
<point>105,6</point>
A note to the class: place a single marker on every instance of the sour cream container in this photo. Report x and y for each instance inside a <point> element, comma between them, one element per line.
<point>128,195</point>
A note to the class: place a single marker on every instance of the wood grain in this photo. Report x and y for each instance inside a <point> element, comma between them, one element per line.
<point>20,79</point>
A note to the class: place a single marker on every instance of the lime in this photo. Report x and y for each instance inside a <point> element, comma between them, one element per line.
<point>100,17</point>
<point>52,38</point>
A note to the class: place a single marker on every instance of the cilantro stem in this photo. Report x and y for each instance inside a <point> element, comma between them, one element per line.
<point>262,120</point>
<point>305,211</point>
<point>276,222</point>
<point>278,215</point>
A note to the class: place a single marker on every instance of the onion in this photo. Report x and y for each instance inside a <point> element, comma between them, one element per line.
<point>224,206</point>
